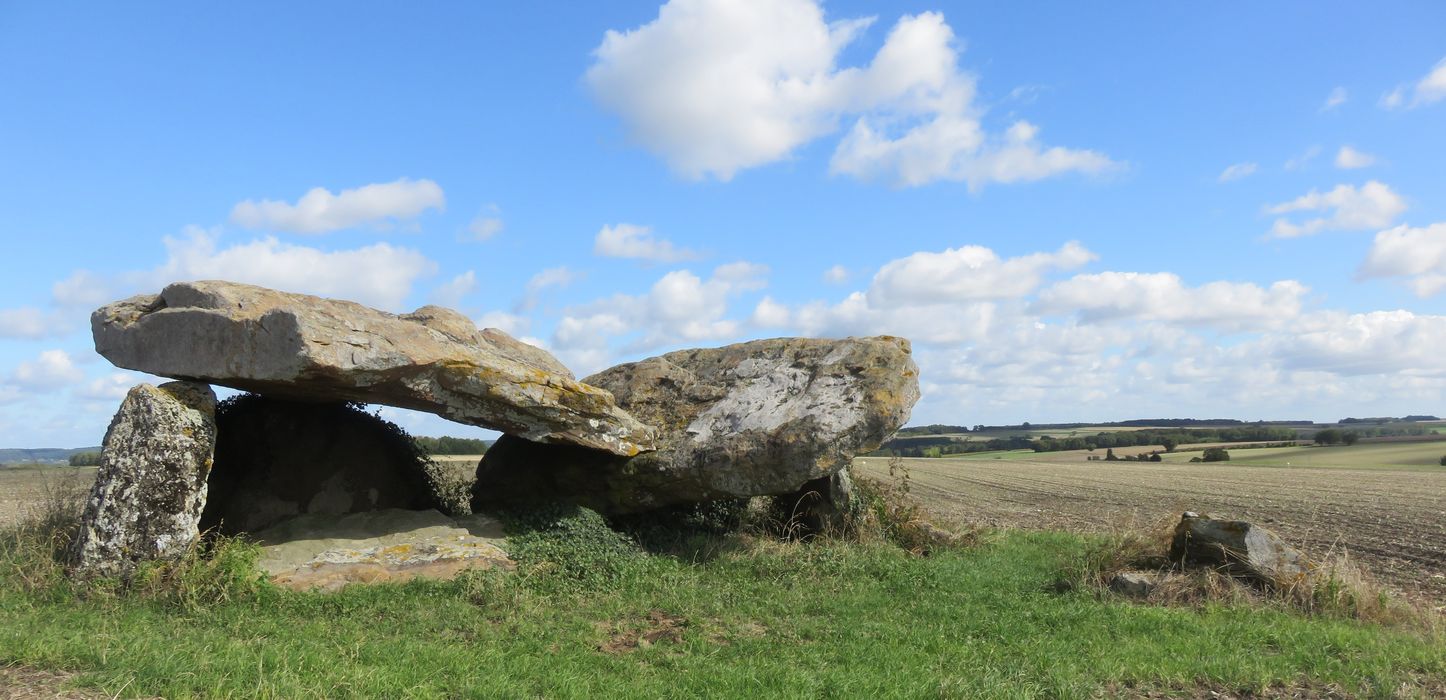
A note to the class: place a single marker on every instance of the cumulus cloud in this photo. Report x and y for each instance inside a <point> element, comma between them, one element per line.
<point>378,275</point>
<point>1238,171</point>
<point>968,273</point>
<point>1373,205</point>
<point>1337,98</point>
<point>1162,296</point>
<point>1418,254</point>
<point>679,307</point>
<point>450,293</point>
<point>838,274</point>
<point>1427,90</point>
<point>83,289</point>
<point>1378,342</point>
<point>485,225</point>
<point>559,277</point>
<point>53,369</point>
<point>718,86</point>
<point>1349,158</point>
<point>630,241</point>
<point>27,323</point>
<point>320,211</point>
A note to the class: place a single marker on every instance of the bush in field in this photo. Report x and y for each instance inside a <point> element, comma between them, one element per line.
<point>1215,454</point>
<point>85,459</point>
<point>1443,461</point>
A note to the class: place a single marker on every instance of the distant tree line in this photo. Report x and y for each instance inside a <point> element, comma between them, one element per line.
<point>448,445</point>
<point>1386,419</point>
<point>1169,439</point>
<point>944,429</point>
<point>1336,436</point>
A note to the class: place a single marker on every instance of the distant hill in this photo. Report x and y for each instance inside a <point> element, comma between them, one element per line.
<point>58,455</point>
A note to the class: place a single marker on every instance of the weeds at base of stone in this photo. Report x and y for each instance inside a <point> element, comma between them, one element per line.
<point>1339,588</point>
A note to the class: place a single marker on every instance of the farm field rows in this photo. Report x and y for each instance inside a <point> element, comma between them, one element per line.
<point>1391,520</point>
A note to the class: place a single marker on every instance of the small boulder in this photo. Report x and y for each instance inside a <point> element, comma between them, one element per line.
<point>151,486</point>
<point>752,419</point>
<point>1243,548</point>
<point>306,348</point>
<point>1134,584</point>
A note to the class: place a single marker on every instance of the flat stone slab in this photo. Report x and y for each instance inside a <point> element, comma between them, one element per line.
<point>307,348</point>
<point>330,552</point>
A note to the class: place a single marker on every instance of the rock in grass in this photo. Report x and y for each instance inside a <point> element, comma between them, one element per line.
<point>306,348</point>
<point>1134,584</point>
<point>151,485</point>
<point>1240,547</point>
<point>753,419</point>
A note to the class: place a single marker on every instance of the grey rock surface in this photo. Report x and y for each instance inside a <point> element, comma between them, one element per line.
<point>1240,547</point>
<point>151,485</point>
<point>751,419</point>
<point>312,349</point>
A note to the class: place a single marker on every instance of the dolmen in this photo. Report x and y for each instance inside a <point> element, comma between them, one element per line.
<point>780,417</point>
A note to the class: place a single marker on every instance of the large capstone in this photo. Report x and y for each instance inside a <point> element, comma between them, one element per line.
<point>751,419</point>
<point>278,459</point>
<point>307,348</point>
<point>149,491</point>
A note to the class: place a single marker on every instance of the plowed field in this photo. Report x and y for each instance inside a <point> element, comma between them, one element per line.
<point>1393,522</point>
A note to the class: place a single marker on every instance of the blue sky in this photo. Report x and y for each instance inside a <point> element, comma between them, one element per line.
<point>1077,213</point>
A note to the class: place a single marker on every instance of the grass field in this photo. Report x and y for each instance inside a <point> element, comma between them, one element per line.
<point>741,619</point>
<point>1373,455</point>
<point>1391,518</point>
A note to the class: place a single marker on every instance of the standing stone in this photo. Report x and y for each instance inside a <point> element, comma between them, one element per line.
<point>151,486</point>
<point>753,419</point>
<point>305,348</point>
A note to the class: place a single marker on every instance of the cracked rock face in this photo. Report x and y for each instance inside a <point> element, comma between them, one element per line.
<point>151,486</point>
<point>307,348</point>
<point>751,419</point>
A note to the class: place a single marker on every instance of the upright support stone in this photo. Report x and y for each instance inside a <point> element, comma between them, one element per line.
<point>151,486</point>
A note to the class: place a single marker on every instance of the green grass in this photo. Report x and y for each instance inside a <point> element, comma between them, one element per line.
<point>757,619</point>
<point>1372,455</point>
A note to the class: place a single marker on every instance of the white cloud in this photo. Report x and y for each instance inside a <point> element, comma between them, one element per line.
<point>679,307</point>
<point>630,241</point>
<point>82,288</point>
<point>1237,171</point>
<point>53,369</point>
<point>1337,98</point>
<point>1378,342</point>
<point>1374,205</point>
<point>485,225</point>
<point>1305,157</point>
<point>838,274</point>
<point>770,314</point>
<point>1427,90</point>
<point>559,277</point>
<point>969,273</point>
<point>1417,253</point>
<point>111,387</point>
<point>379,275</point>
<point>1349,158</point>
<point>718,86</point>
<point>512,324</point>
<point>320,211</point>
<point>27,323</point>
<point>450,293</point>
<point>1162,296</point>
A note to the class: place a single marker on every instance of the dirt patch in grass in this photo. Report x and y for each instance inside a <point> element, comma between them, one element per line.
<point>656,628</point>
<point>25,683</point>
